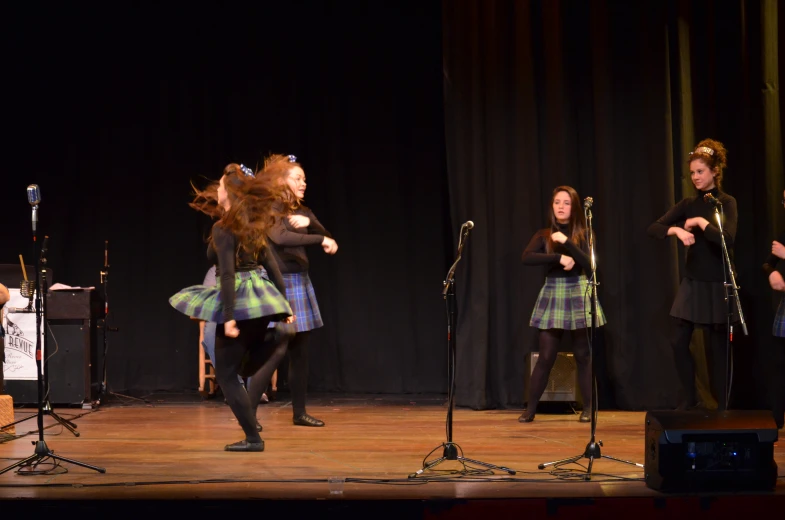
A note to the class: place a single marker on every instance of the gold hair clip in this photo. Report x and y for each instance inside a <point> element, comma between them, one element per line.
<point>703,149</point>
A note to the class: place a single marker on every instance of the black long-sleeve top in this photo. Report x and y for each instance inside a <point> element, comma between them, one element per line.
<point>536,253</point>
<point>223,251</point>
<point>773,262</point>
<point>289,242</point>
<point>704,258</point>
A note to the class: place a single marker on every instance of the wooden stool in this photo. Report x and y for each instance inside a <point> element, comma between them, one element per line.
<point>7,414</point>
<point>206,374</point>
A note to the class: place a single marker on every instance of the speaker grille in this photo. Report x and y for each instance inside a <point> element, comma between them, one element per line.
<point>563,379</point>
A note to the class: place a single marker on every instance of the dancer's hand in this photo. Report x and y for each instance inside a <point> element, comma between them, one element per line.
<point>694,222</point>
<point>567,261</point>
<point>330,246</point>
<point>299,221</point>
<point>778,250</point>
<point>776,281</point>
<point>559,237</point>
<point>686,237</point>
<point>290,319</point>
<point>231,330</point>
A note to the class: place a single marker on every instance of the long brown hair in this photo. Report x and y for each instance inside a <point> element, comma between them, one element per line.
<point>576,230</point>
<point>276,170</point>
<point>253,206</point>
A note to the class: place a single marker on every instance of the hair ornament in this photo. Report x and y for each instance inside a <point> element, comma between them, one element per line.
<point>247,171</point>
<point>292,158</point>
<point>703,149</point>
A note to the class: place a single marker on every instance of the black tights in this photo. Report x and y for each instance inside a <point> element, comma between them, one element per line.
<point>715,359</point>
<point>242,355</point>
<point>778,388</point>
<point>548,351</point>
<point>298,370</point>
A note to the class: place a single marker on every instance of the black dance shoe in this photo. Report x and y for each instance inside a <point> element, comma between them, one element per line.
<point>526,417</point>
<point>245,446</point>
<point>307,420</point>
<point>585,416</point>
<point>258,426</point>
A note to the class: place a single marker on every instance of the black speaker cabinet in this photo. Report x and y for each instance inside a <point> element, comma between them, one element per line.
<point>73,357</point>
<point>692,451</point>
<point>72,363</point>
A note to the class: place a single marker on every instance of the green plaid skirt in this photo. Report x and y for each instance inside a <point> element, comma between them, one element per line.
<point>255,297</point>
<point>565,303</point>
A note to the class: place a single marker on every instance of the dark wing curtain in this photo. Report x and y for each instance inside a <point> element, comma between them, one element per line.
<point>607,97</point>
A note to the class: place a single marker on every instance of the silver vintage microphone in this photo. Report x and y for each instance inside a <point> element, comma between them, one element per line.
<point>34,198</point>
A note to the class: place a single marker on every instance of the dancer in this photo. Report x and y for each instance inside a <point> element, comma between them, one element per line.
<point>564,302</point>
<point>700,300</point>
<point>295,229</point>
<point>775,268</point>
<point>250,291</point>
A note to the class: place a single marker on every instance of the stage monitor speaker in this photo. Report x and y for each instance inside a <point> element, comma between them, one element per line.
<point>72,371</point>
<point>562,382</point>
<point>73,377</point>
<point>703,450</point>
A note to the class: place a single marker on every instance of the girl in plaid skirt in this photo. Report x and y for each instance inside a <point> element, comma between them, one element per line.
<point>701,299</point>
<point>564,302</point>
<point>291,233</point>
<point>250,290</point>
<point>775,268</point>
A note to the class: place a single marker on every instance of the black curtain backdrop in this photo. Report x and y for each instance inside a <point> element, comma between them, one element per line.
<point>600,95</point>
<point>410,118</point>
<point>113,110</point>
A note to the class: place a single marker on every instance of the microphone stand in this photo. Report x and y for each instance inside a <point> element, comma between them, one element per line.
<point>592,450</point>
<point>731,292</point>
<point>451,450</point>
<point>42,451</point>
<point>44,289</point>
<point>104,324</point>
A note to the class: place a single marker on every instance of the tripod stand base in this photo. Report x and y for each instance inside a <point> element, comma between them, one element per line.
<point>47,410</point>
<point>43,452</point>
<point>451,453</point>
<point>65,423</point>
<point>106,393</point>
<point>592,452</point>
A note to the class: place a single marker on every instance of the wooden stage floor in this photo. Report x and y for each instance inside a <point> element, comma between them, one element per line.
<point>172,448</point>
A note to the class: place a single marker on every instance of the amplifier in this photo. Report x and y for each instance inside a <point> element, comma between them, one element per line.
<point>562,382</point>
<point>696,450</point>
<point>73,357</point>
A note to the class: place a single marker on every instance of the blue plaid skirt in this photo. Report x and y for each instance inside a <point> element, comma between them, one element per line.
<point>302,298</point>
<point>255,297</point>
<point>779,320</point>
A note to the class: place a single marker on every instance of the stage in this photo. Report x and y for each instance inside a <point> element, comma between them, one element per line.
<point>171,448</point>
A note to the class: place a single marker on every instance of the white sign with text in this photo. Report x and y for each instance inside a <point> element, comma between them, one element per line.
<point>20,339</point>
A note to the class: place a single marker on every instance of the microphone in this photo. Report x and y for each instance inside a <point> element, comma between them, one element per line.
<point>469,224</point>
<point>34,198</point>
<point>587,202</point>
<point>711,199</point>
